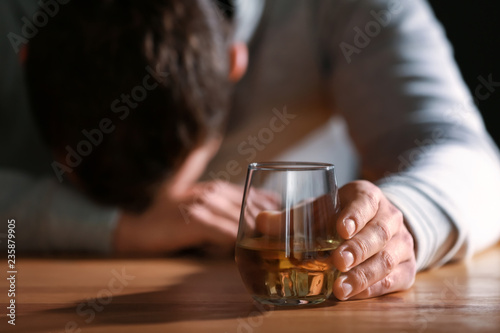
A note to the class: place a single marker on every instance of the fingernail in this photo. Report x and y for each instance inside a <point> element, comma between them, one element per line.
<point>346,288</point>
<point>348,258</point>
<point>350,226</point>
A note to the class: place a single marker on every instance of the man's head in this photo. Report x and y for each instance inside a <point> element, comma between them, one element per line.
<point>124,91</point>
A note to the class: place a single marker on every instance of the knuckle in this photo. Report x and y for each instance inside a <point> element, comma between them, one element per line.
<point>408,239</point>
<point>387,283</point>
<point>388,261</point>
<point>211,187</point>
<point>205,198</point>
<point>368,190</point>
<point>200,199</point>
<point>363,278</point>
<point>369,292</point>
<point>395,213</point>
<point>383,231</point>
<point>372,198</point>
<point>364,184</point>
<point>369,206</point>
<point>358,216</point>
<point>359,248</point>
<point>217,185</point>
<point>220,185</point>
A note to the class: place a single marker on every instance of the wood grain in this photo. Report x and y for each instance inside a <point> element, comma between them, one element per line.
<point>188,295</point>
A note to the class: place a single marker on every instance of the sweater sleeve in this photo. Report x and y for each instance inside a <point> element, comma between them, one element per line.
<point>420,137</point>
<point>51,217</point>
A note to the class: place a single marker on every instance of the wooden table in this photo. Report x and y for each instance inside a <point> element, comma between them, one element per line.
<point>189,295</point>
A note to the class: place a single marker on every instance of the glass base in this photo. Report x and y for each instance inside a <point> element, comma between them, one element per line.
<point>290,301</point>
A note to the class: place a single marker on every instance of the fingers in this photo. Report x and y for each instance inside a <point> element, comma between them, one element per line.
<point>232,192</point>
<point>390,270</point>
<point>214,208</point>
<point>258,201</point>
<point>269,222</point>
<point>263,200</point>
<point>401,278</point>
<point>360,200</point>
<point>222,188</point>
<point>216,229</point>
<point>217,206</point>
<point>221,206</point>
<point>378,254</point>
<point>371,239</point>
<point>222,198</point>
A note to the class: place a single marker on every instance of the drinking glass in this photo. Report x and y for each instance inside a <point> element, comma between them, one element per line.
<point>287,232</point>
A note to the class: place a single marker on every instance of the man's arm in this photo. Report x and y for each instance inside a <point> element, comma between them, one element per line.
<point>51,217</point>
<point>413,121</point>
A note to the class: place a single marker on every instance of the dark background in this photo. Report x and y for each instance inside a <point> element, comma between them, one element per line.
<point>473,28</point>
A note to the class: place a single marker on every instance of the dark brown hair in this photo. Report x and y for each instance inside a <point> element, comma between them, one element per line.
<point>85,71</point>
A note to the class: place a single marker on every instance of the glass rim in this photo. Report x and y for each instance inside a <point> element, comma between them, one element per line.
<point>291,166</point>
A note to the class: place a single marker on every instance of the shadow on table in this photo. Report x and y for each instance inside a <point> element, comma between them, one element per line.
<point>215,293</point>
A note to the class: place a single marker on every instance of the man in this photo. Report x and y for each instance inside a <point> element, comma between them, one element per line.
<point>152,78</point>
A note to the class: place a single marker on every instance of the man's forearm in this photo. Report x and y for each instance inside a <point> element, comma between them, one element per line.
<point>52,217</point>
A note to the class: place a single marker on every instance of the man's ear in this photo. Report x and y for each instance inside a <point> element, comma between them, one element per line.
<point>238,57</point>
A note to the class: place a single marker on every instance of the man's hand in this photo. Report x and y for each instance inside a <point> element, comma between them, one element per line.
<point>206,214</point>
<point>378,255</point>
